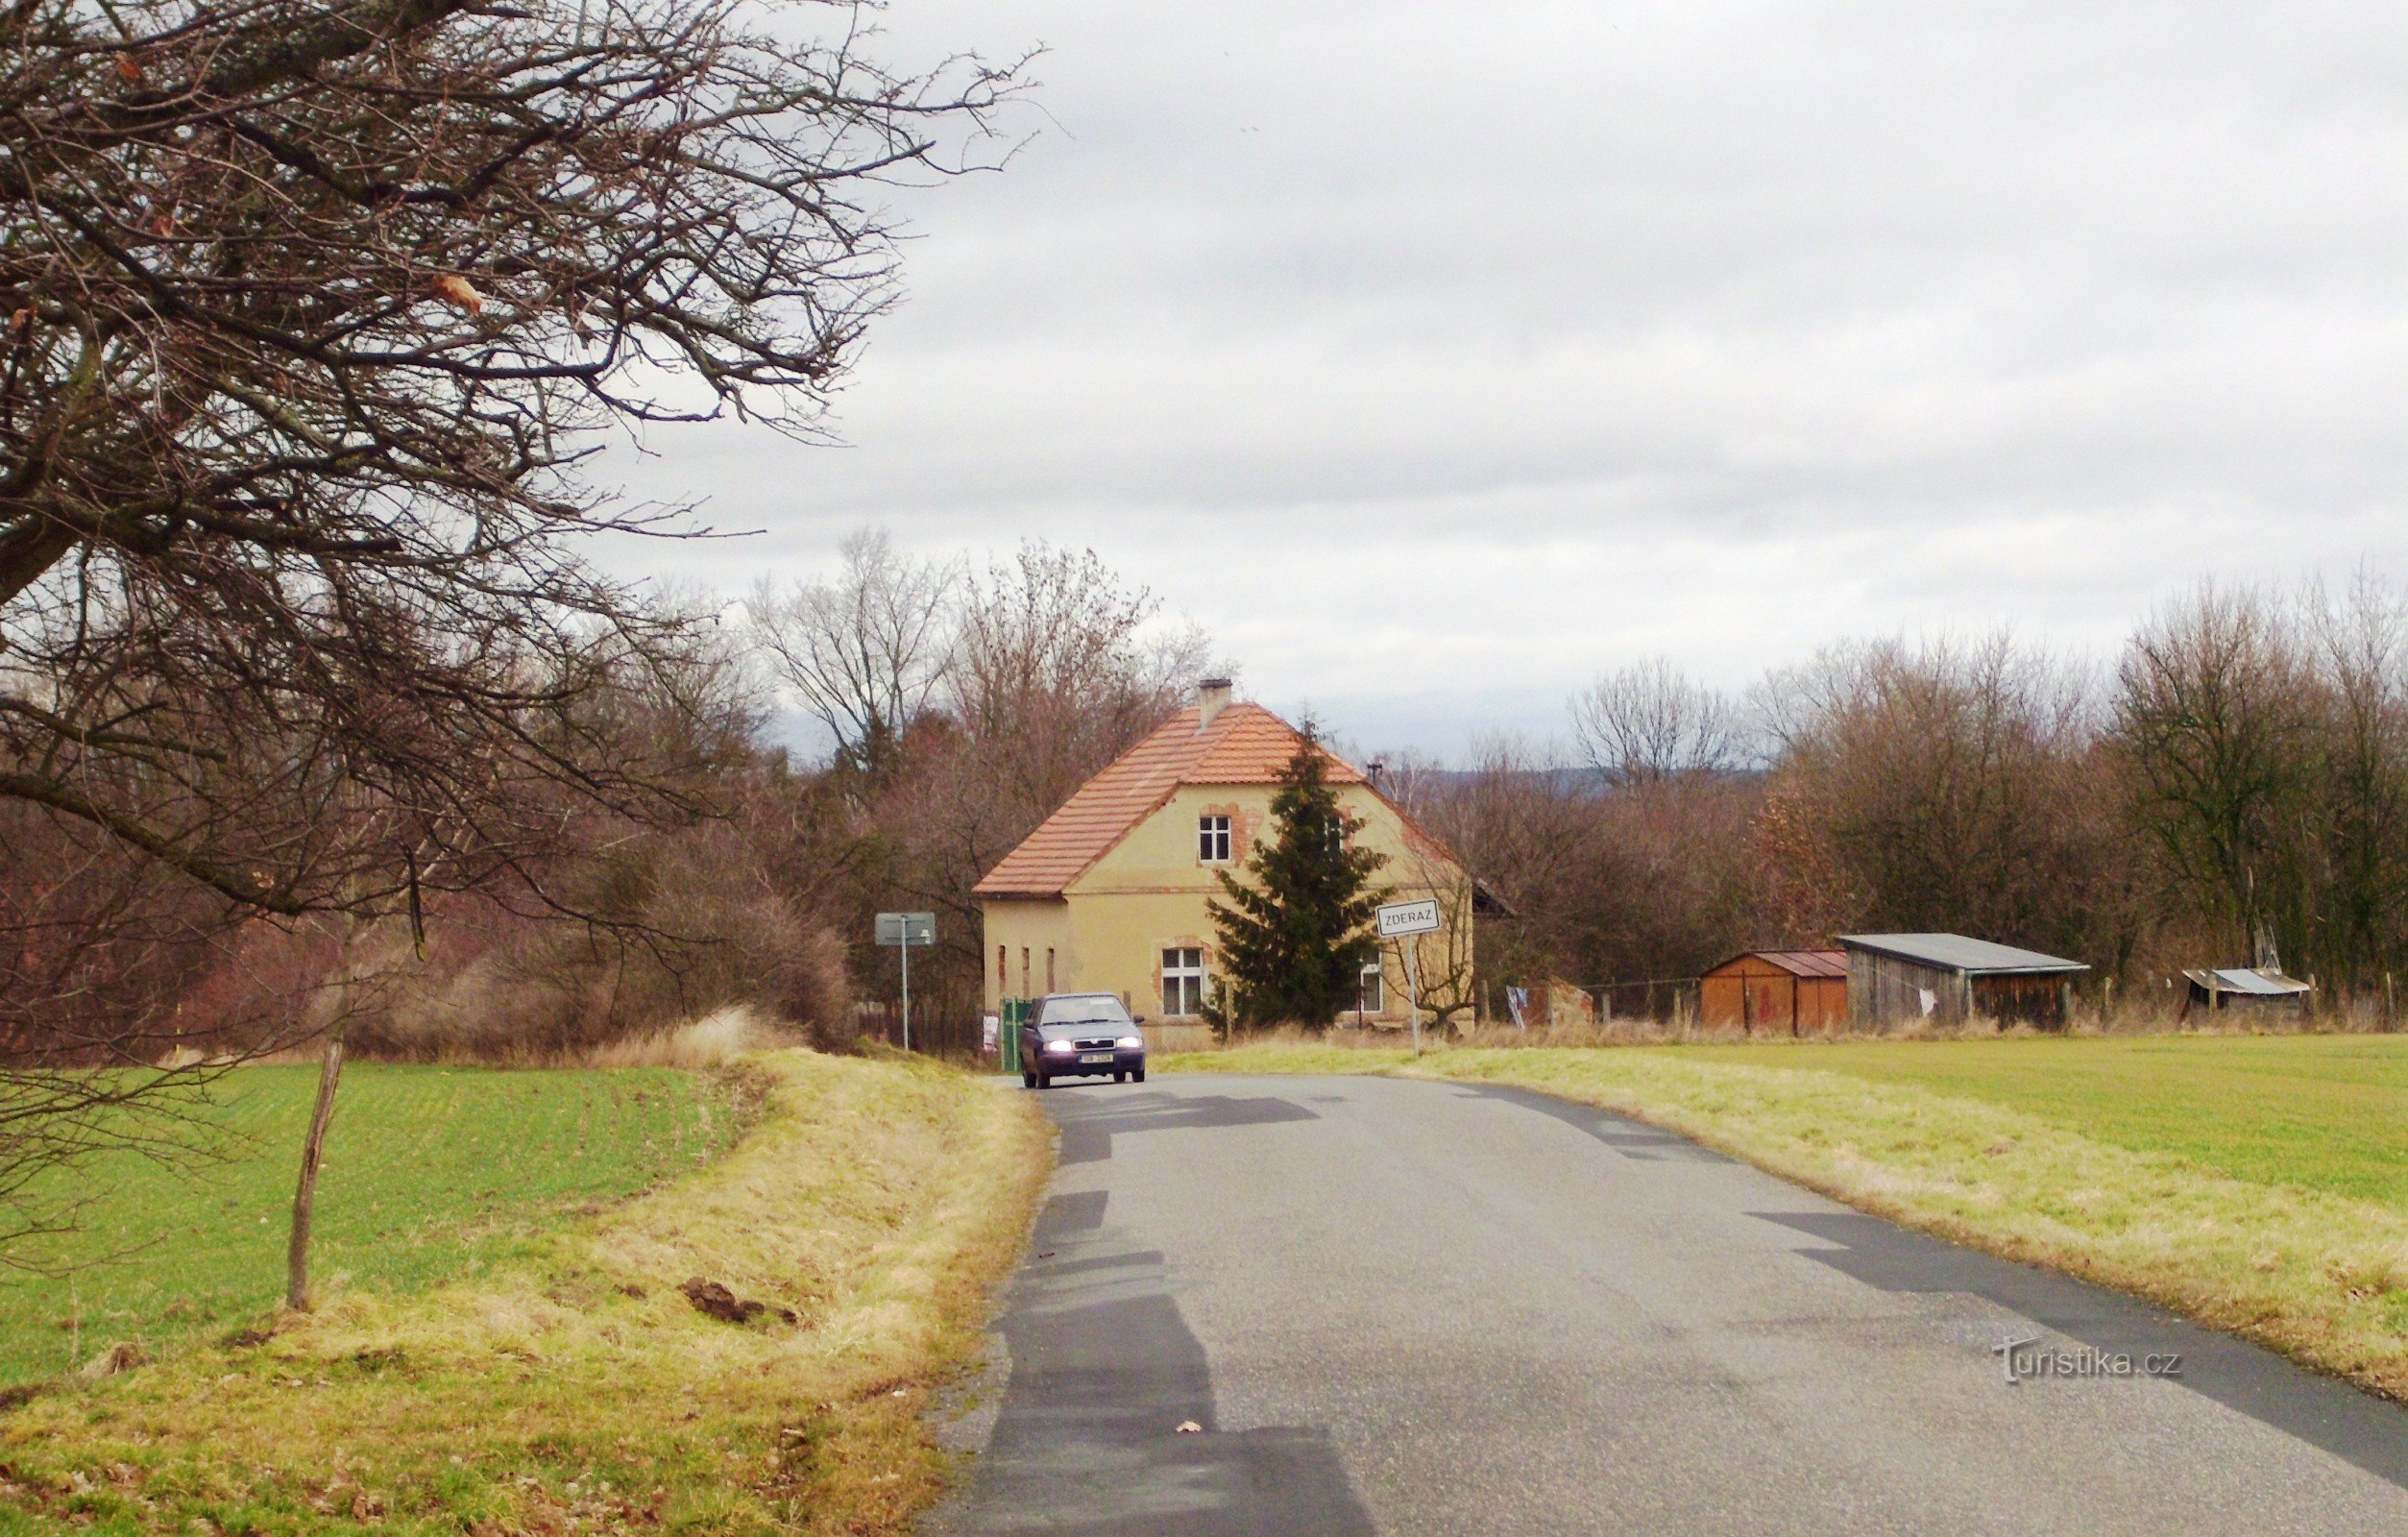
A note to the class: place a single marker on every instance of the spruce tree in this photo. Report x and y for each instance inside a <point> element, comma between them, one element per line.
<point>1295,934</point>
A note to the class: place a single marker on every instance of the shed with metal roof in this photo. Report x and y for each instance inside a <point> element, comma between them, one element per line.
<point>1948,979</point>
<point>2246,986</point>
<point>1780,992</point>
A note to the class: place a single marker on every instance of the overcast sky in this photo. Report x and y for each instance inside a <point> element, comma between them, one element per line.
<point>1435,357</point>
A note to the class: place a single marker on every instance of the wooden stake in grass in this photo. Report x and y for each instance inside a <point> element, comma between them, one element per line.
<point>330,1079</point>
<point>305,1194</point>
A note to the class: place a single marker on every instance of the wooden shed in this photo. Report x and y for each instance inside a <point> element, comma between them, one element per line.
<point>2243,988</point>
<point>1782,992</point>
<point>1946,979</point>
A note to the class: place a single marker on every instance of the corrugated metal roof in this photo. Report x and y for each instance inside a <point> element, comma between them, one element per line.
<point>1798,962</point>
<point>1245,745</point>
<point>2252,983</point>
<point>1959,953</point>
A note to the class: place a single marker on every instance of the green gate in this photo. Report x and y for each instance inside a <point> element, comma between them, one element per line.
<point>1008,1033</point>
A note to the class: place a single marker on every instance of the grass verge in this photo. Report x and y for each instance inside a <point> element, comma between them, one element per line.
<point>576,1387</point>
<point>430,1173</point>
<point>2171,1188</point>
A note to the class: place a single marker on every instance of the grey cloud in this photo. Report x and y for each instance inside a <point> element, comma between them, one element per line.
<point>1595,328</point>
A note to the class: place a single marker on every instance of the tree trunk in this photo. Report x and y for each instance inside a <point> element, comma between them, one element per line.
<point>304,1196</point>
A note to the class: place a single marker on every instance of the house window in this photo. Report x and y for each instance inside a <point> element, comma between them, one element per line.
<point>1182,984</point>
<point>1003,968</point>
<point>1212,840</point>
<point>1049,968</point>
<point>1024,971</point>
<point>1371,996</point>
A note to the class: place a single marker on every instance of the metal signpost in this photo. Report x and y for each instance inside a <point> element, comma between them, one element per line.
<point>903,931</point>
<point>1401,920</point>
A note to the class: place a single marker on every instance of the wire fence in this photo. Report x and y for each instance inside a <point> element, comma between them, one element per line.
<point>1670,1001</point>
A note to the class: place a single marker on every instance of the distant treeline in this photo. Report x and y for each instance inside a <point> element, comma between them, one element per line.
<point>2233,787</point>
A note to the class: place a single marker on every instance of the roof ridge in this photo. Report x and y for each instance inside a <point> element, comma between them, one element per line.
<point>1245,743</point>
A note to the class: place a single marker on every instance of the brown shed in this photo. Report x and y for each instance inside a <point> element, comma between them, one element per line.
<point>1787,993</point>
<point>1947,979</point>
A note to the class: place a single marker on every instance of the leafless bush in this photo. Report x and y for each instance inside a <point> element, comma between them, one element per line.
<point>691,925</point>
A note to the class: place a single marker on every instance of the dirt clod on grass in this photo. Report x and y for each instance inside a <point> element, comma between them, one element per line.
<point>118,1358</point>
<point>712,1298</point>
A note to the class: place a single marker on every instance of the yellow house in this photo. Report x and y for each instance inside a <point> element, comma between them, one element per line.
<point>1110,894</point>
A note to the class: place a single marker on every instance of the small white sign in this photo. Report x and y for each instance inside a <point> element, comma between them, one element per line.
<point>1399,919</point>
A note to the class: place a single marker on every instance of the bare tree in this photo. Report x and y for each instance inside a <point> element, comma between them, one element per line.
<point>2361,640</point>
<point>2214,725</point>
<point>865,651</point>
<point>1651,721</point>
<point>1061,625</point>
<point>308,311</point>
<point>1059,669</point>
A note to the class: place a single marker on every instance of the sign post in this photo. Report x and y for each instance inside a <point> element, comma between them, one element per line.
<point>903,931</point>
<point>1402,921</point>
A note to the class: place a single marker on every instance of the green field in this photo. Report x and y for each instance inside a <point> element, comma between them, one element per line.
<point>430,1173</point>
<point>570,1385</point>
<point>2325,1112</point>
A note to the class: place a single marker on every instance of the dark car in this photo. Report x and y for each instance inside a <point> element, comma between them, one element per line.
<point>1080,1035</point>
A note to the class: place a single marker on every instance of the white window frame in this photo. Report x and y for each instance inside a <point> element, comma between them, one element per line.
<point>1370,990</point>
<point>1215,841</point>
<point>1182,981</point>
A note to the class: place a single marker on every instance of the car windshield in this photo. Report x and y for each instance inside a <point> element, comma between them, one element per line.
<point>1099,1011</point>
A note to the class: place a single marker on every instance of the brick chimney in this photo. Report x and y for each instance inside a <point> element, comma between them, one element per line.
<point>1211,694</point>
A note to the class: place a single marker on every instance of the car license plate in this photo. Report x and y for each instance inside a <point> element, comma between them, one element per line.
<point>1095,1057</point>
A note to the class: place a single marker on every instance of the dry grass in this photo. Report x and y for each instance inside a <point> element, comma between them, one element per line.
<point>579,1389</point>
<point>714,1040</point>
<point>2316,1274</point>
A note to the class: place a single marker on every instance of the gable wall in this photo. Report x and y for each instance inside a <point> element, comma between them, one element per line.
<point>1027,928</point>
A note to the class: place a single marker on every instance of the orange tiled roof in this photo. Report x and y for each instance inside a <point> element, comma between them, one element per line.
<point>1246,745</point>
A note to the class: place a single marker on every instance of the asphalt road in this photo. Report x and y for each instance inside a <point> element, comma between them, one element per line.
<point>1406,1307</point>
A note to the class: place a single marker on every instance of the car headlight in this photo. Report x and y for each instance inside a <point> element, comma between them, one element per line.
<point>1062,1046</point>
<point>1132,1042</point>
